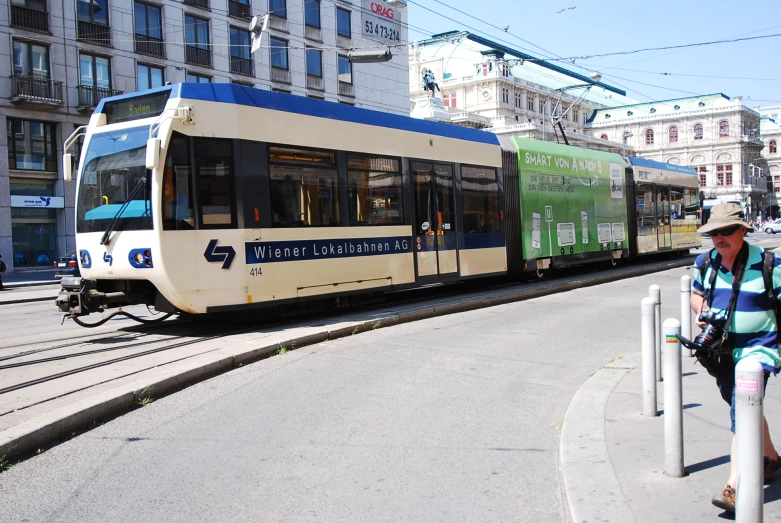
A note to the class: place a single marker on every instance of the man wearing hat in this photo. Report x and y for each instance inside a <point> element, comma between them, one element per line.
<point>751,326</point>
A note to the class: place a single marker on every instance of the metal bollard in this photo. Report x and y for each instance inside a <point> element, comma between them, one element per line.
<point>749,392</point>
<point>673,400</point>
<point>649,357</point>
<point>656,293</point>
<point>686,310</point>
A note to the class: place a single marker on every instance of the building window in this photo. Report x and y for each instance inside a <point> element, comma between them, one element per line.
<point>504,69</point>
<point>198,78</point>
<point>772,148</point>
<point>530,103</point>
<point>278,7</point>
<point>698,131</point>
<point>196,32</point>
<point>374,190</point>
<point>505,95</point>
<point>304,188</point>
<point>312,13</point>
<point>673,134</point>
<point>450,100</point>
<point>94,79</point>
<point>148,77</point>
<point>724,129</point>
<point>343,24</point>
<point>278,53</point>
<point>724,175</point>
<point>314,62</point>
<point>241,59</point>
<point>777,184</point>
<point>518,101</point>
<point>603,137</point>
<point>649,137</point>
<point>719,175</point>
<point>31,145</point>
<point>31,60</point>
<point>345,70</point>
<point>93,11</point>
<point>542,105</point>
<point>149,29</point>
<point>702,173</point>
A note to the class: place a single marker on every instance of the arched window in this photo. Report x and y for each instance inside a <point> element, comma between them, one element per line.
<point>604,137</point>
<point>649,137</point>
<point>772,147</point>
<point>724,129</point>
<point>698,131</point>
<point>673,134</point>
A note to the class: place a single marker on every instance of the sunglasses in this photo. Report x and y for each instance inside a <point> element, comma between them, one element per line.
<point>727,231</point>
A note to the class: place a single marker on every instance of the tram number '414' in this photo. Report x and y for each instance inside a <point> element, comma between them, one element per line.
<point>255,271</point>
<point>382,31</point>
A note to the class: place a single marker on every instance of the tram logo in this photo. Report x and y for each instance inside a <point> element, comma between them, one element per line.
<point>108,259</point>
<point>223,254</point>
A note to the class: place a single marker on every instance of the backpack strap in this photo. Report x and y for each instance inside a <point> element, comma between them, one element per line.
<point>716,263</point>
<point>768,263</point>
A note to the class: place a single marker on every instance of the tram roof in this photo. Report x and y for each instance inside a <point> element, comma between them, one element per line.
<point>249,96</point>
<point>653,164</point>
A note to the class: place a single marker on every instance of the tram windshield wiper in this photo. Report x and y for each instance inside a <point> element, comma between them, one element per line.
<point>106,238</point>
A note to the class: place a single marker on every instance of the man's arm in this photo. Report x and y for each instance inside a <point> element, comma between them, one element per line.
<point>697,302</point>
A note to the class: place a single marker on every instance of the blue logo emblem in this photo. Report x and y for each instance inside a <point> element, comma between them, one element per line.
<point>108,258</point>
<point>219,254</point>
<point>47,200</point>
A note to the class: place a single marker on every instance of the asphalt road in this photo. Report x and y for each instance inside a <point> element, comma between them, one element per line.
<point>454,418</point>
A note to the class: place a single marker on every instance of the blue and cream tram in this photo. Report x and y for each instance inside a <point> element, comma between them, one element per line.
<point>199,198</point>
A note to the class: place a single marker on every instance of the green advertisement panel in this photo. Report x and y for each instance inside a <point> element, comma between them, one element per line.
<point>572,200</point>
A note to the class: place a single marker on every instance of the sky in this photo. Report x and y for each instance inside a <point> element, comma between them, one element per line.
<point>583,28</point>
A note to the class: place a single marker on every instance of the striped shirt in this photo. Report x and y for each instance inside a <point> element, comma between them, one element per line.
<point>753,330</point>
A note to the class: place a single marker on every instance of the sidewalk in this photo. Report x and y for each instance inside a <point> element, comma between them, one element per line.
<point>612,457</point>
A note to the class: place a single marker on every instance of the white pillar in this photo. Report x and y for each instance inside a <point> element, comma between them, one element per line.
<point>673,401</point>
<point>686,310</point>
<point>649,358</point>
<point>749,393</point>
<point>656,293</point>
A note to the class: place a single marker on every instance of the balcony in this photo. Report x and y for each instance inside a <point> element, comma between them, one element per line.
<point>241,65</point>
<point>313,33</point>
<point>203,4</point>
<point>239,10</point>
<point>278,23</point>
<point>280,75</point>
<point>198,56</point>
<point>150,45</point>
<point>89,96</point>
<point>315,82</point>
<point>32,15</point>
<point>346,89</point>
<point>96,33</point>
<point>38,91</point>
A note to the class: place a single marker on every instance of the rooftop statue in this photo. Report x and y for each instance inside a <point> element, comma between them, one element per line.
<point>429,82</point>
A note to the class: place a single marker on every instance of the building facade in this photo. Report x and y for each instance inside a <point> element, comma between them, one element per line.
<point>770,130</point>
<point>488,85</point>
<point>718,136</point>
<point>58,59</point>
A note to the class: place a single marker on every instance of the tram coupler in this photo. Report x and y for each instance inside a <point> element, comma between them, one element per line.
<point>78,296</point>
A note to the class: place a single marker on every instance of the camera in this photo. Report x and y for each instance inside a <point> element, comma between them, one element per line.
<point>713,331</point>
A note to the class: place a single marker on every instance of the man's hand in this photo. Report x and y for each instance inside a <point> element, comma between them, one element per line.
<point>697,302</point>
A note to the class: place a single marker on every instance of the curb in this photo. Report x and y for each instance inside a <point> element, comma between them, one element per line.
<point>590,486</point>
<point>63,422</point>
<point>26,300</point>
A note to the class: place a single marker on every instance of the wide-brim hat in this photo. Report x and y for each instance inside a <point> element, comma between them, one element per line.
<point>724,215</point>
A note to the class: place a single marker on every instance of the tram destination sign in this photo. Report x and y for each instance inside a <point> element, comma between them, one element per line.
<point>381,21</point>
<point>135,108</point>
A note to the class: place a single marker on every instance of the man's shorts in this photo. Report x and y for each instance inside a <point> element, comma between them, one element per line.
<point>726,386</point>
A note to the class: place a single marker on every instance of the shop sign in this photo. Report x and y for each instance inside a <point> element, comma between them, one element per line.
<point>38,202</point>
<point>381,21</point>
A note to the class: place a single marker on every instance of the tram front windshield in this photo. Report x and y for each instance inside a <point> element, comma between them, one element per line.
<point>115,182</point>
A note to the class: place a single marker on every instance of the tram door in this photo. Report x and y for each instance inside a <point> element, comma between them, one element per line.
<point>664,225</point>
<point>435,228</point>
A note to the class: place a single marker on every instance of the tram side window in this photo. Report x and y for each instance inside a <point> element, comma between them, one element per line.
<point>177,202</point>
<point>374,190</point>
<point>676,203</point>
<point>480,194</point>
<point>214,163</point>
<point>691,203</point>
<point>304,188</point>
<point>646,211</point>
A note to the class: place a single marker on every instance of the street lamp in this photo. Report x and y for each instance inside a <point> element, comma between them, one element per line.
<point>625,138</point>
